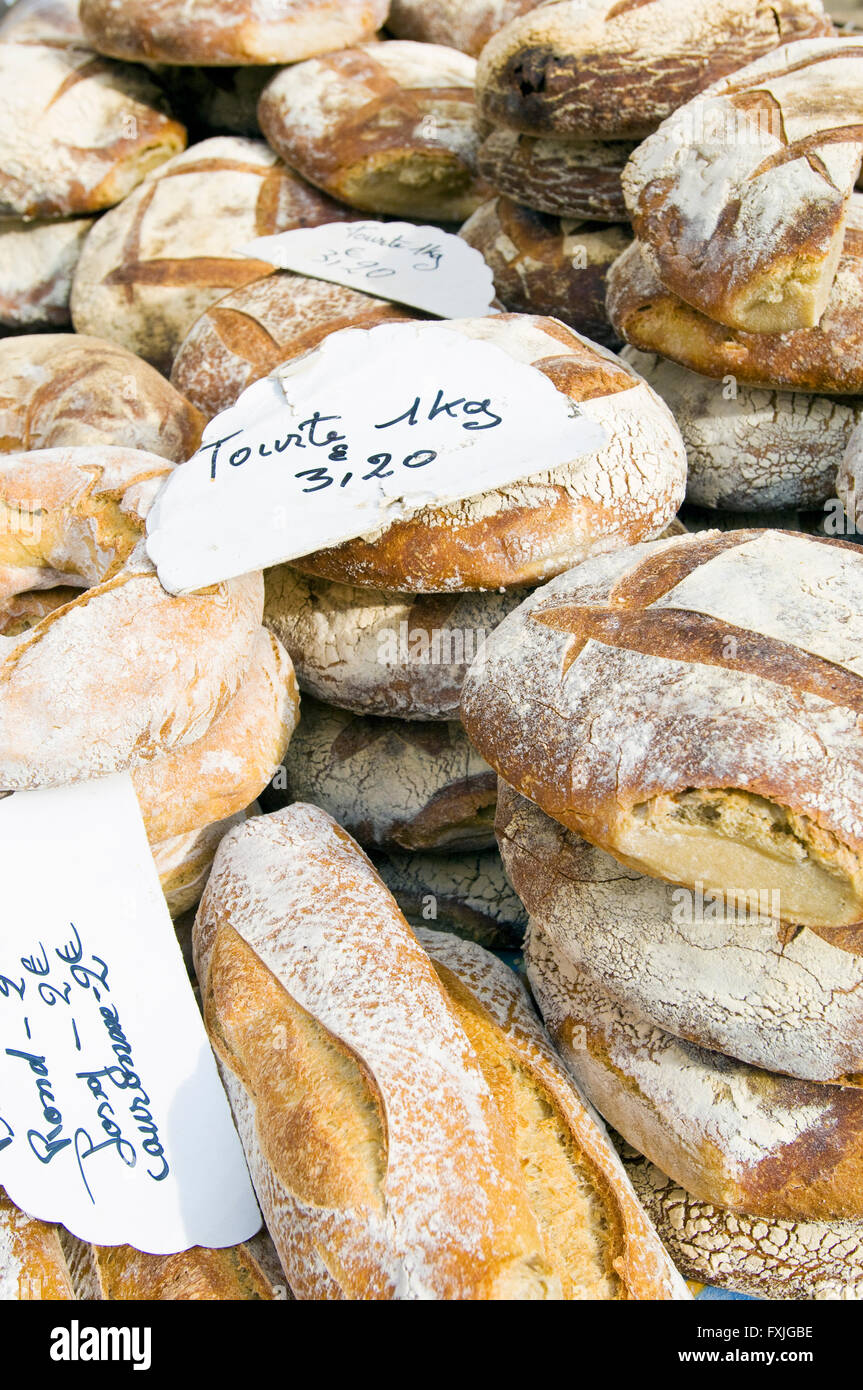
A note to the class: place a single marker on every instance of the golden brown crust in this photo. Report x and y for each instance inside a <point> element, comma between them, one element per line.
<point>120,1274</point>
<point>567,178</point>
<point>32,1264</point>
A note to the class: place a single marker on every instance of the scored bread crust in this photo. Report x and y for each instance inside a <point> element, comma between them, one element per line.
<point>119,1273</point>
<point>464,24</point>
<point>616,68</point>
<point>37,261</point>
<point>740,1137</point>
<point>723,974</point>
<point>390,782</point>
<point>95,131</point>
<point>124,672</point>
<point>33,1267</point>
<point>731,662</point>
<point>213,33</point>
<point>748,448</point>
<point>547,265</point>
<point>386,127</point>
<point>740,198</point>
<point>242,337</point>
<point>552,519</point>
<point>571,178</point>
<point>150,267</point>
<point>70,389</point>
<point>827,359</point>
<point>603,1245</point>
<point>380,1160</point>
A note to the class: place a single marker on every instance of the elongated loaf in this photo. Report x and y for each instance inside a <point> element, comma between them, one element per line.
<point>32,1264</point>
<point>120,1274</point>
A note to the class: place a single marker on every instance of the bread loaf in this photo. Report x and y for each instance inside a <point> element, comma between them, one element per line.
<point>466,894</point>
<point>388,128</point>
<point>37,261</point>
<point>548,265</point>
<point>730,661</point>
<point>389,782</point>
<point>152,267</point>
<point>76,134</point>
<point>463,24</point>
<point>570,178</point>
<point>552,519</point>
<point>69,389</point>
<point>53,22</point>
<point>120,1274</point>
<point>32,1264</point>
<point>183,863</point>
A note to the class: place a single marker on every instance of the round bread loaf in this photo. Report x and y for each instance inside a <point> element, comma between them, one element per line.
<point>775,1259</point>
<point>76,134</point>
<point>570,178</point>
<point>389,128</point>
<point>54,22</point>
<point>583,68</point>
<point>716,968</point>
<point>467,894</point>
<point>151,268</point>
<point>548,265</point>
<point>246,334</point>
<point>126,672</point>
<point>389,782</point>
<point>750,449</point>
<point>552,519</point>
<point>464,24</point>
<point>37,261</point>
<point>693,707</point>
<point>729,1133</point>
<point>377,653</point>
<point>827,359</point>
<point>69,389</point>
<point>740,199</point>
<point>245,31</point>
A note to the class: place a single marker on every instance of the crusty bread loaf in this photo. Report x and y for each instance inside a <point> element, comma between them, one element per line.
<point>151,268</point>
<point>327,1016</point>
<point>686,705</point>
<point>548,265</point>
<point>54,22</point>
<point>827,359</point>
<point>76,134</point>
<point>716,969</point>
<point>119,1274</point>
<point>214,33</point>
<point>570,178</point>
<point>747,448</point>
<point>389,782</point>
<point>731,1134</point>
<point>616,68</point>
<point>183,862</point>
<point>32,1264</point>
<point>379,653</point>
<point>554,518</point>
<point>387,127</point>
<point>250,331</point>
<point>467,894</point>
<point>463,24</point>
<point>70,389</point>
<point>740,199</point>
<point>37,261</point>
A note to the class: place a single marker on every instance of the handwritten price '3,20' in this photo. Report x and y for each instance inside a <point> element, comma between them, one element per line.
<point>313,433</point>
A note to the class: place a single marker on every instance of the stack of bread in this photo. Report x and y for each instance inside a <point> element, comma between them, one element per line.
<point>677,730</point>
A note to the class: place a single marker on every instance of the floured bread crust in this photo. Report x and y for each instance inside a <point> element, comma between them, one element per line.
<point>152,267</point>
<point>692,706</point>
<point>464,24</point>
<point>715,968</point>
<point>118,1273</point>
<point>63,389</point>
<point>827,359</point>
<point>751,449</point>
<point>730,1134</point>
<point>571,178</point>
<point>53,22</point>
<point>244,336</point>
<point>388,127</point>
<point>740,199</point>
<point>37,260</point>
<point>380,653</point>
<point>548,265</point>
<point>92,134</point>
<point>466,894</point>
<point>32,1264</point>
<point>542,524</point>
<point>214,33</point>
<point>616,68</point>
<point>183,863</point>
<point>389,782</point>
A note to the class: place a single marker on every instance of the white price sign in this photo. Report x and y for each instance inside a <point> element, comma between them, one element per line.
<point>367,429</point>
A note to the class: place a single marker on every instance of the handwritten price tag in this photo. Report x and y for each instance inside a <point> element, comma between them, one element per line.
<point>420,266</point>
<point>369,428</point>
<point>113,1120</point>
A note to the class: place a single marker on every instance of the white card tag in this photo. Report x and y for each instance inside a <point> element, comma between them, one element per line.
<point>367,429</point>
<point>113,1121</point>
<point>420,266</point>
